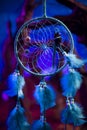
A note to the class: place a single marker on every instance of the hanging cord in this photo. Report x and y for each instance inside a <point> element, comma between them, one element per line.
<point>17,109</point>
<point>67,104</point>
<point>56,44</point>
<point>65,128</point>
<point>43,86</point>
<point>72,102</point>
<point>18,100</point>
<point>44,105</point>
<point>44,8</point>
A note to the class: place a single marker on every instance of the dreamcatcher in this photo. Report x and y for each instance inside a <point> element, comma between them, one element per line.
<point>43,47</point>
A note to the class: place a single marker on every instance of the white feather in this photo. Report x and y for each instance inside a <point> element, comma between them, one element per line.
<point>73,61</point>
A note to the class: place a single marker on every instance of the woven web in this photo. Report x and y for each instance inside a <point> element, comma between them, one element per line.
<point>37,49</point>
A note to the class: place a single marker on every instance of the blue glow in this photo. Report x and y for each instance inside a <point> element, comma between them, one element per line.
<point>45,61</point>
<point>80,47</point>
<point>53,8</point>
<point>9,11</point>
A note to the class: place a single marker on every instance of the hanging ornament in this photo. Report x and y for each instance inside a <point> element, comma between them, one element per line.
<point>66,116</point>
<point>45,96</point>
<point>17,119</point>
<point>73,61</point>
<point>40,124</point>
<point>41,51</point>
<point>16,83</point>
<point>77,113</point>
<point>71,83</point>
<point>72,114</point>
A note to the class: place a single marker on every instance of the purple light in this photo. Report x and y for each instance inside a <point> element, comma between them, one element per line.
<point>45,61</point>
<point>5,97</point>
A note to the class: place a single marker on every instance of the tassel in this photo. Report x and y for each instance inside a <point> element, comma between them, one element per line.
<point>45,96</point>
<point>71,82</point>
<point>16,83</point>
<point>73,61</point>
<point>40,125</point>
<point>77,114</point>
<point>17,120</point>
<point>66,116</point>
<point>72,114</point>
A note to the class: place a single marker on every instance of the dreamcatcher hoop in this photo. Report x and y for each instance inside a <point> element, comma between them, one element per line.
<point>58,50</point>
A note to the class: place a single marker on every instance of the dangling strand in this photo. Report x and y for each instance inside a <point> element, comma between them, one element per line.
<point>44,8</point>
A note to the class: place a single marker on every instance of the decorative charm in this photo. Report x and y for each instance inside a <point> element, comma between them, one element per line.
<point>17,119</point>
<point>43,47</point>
<point>72,114</point>
<point>16,83</point>
<point>45,96</point>
<point>40,125</point>
<point>71,82</point>
<point>73,61</point>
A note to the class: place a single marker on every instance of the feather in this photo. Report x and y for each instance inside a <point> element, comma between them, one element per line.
<point>73,61</point>
<point>16,83</point>
<point>66,116</point>
<point>40,125</point>
<point>17,120</point>
<point>71,82</point>
<point>72,114</point>
<point>45,96</point>
<point>77,114</point>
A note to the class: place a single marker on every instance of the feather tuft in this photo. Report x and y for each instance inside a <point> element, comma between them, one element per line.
<point>73,114</point>
<point>40,125</point>
<point>71,82</point>
<point>16,83</point>
<point>45,96</point>
<point>77,113</point>
<point>17,120</point>
<point>73,61</point>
